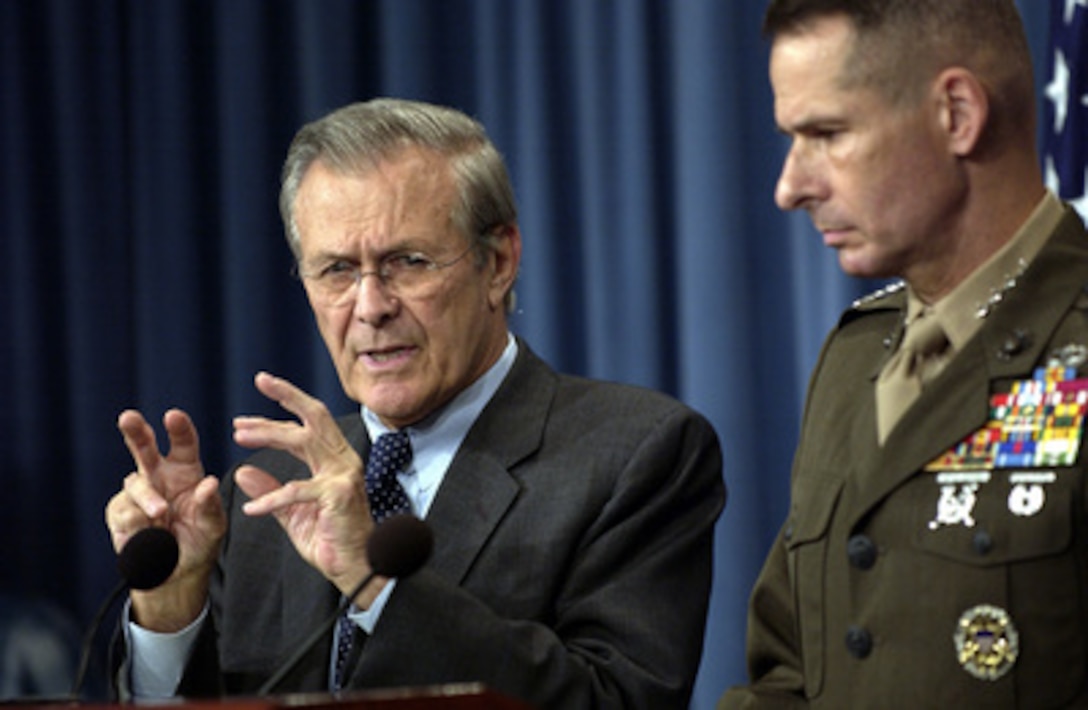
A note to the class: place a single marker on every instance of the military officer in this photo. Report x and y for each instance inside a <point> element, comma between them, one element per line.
<point>935,553</point>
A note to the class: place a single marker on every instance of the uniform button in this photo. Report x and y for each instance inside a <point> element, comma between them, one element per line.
<point>858,642</point>
<point>982,542</point>
<point>1013,344</point>
<point>861,551</point>
<point>787,534</point>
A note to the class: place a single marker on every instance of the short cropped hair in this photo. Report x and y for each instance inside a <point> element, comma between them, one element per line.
<point>900,45</point>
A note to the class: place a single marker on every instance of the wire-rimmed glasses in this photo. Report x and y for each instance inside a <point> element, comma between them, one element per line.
<point>406,274</point>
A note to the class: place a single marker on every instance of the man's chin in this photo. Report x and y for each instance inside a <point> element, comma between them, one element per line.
<point>854,264</point>
<point>395,406</point>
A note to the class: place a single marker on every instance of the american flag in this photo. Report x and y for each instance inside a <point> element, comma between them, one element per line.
<point>1065,148</point>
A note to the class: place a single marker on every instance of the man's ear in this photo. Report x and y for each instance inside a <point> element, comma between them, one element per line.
<point>506,255</point>
<point>964,109</point>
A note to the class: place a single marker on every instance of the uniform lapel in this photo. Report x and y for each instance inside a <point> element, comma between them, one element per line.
<point>1015,338</point>
<point>931,425</point>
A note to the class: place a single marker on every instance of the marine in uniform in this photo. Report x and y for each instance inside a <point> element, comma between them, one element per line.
<point>948,567</point>
<point>935,552</point>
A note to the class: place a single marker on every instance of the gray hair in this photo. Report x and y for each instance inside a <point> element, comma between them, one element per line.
<point>356,138</point>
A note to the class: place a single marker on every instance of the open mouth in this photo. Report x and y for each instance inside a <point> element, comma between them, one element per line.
<point>383,356</point>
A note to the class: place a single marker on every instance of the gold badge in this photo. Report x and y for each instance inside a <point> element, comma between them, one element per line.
<point>986,642</point>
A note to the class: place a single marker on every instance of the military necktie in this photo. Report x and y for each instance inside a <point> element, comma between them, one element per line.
<point>901,380</point>
<point>389,455</point>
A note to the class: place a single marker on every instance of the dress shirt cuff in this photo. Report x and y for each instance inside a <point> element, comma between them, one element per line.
<point>367,619</point>
<point>158,660</point>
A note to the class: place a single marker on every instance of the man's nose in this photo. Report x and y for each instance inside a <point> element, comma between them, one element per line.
<point>797,183</point>
<point>375,303</point>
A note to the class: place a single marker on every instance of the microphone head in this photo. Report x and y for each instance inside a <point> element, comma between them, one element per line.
<point>399,546</point>
<point>148,558</point>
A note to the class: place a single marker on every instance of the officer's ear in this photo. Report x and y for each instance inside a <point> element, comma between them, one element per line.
<point>963,109</point>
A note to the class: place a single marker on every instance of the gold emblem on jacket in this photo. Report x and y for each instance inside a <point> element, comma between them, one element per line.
<point>986,642</point>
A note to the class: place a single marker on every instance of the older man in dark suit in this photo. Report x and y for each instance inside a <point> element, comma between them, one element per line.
<point>573,519</point>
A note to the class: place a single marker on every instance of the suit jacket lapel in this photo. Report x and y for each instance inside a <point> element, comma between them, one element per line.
<point>474,495</point>
<point>308,600</point>
<point>478,488</point>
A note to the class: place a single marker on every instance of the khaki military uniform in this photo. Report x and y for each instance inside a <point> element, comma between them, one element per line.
<point>894,586</point>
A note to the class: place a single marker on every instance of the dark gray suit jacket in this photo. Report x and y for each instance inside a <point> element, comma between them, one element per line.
<point>572,561</point>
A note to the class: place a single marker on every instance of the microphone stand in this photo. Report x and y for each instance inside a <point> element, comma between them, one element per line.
<point>311,641</point>
<point>88,639</point>
<point>145,562</point>
<point>397,548</point>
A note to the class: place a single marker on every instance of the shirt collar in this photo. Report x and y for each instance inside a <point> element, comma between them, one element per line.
<point>961,312</point>
<point>446,428</point>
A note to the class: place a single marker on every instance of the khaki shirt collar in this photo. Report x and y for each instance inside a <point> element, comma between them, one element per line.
<point>962,311</point>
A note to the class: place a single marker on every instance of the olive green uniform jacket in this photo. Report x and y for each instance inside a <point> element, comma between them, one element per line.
<point>859,600</point>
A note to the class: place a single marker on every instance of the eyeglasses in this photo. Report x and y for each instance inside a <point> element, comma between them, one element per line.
<point>407,274</point>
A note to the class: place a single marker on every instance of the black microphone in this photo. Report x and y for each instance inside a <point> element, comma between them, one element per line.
<point>146,561</point>
<point>398,547</point>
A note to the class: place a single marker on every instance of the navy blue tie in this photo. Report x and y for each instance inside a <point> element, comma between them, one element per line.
<point>389,455</point>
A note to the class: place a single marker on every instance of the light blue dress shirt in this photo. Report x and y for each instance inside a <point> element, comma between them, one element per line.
<point>435,441</point>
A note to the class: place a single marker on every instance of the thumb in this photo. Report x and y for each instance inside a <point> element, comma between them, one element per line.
<point>209,516</point>
<point>254,482</point>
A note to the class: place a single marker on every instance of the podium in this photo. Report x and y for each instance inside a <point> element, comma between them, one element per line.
<point>455,696</point>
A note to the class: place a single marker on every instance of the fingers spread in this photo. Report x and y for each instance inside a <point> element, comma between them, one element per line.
<point>258,432</point>
<point>316,439</point>
<point>139,439</point>
<point>184,442</point>
<point>310,410</point>
<point>267,494</point>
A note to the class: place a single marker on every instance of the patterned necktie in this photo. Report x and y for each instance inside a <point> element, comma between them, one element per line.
<point>389,455</point>
<point>901,381</point>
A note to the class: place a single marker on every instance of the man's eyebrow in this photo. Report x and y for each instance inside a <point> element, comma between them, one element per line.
<point>812,124</point>
<point>397,246</point>
<point>332,255</point>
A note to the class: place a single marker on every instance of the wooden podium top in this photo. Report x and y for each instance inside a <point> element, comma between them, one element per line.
<point>456,696</point>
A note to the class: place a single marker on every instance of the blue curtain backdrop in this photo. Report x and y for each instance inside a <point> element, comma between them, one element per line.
<point>144,264</point>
